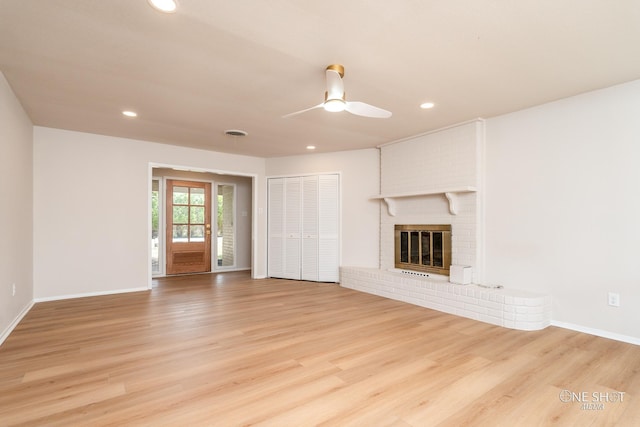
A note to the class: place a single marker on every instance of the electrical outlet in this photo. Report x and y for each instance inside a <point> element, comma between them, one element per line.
<point>13,290</point>
<point>614,299</point>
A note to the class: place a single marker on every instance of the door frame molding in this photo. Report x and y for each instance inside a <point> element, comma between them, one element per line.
<point>255,209</point>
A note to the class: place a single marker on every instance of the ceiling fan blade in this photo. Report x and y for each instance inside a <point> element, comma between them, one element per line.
<point>302,111</point>
<point>366,110</point>
<point>335,85</point>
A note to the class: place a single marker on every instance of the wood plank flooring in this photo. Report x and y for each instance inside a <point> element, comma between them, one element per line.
<point>225,350</point>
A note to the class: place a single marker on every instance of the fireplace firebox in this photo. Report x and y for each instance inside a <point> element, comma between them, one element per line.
<point>424,248</point>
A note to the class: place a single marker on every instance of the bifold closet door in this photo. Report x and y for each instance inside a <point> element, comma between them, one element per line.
<point>292,227</point>
<point>275,227</point>
<point>310,228</point>
<point>328,228</point>
<point>284,216</point>
<point>303,227</point>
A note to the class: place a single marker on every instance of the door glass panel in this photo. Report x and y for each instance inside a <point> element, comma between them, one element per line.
<point>196,233</point>
<point>197,196</point>
<point>180,233</point>
<point>426,244</point>
<point>180,195</point>
<point>197,215</point>
<point>181,214</point>
<point>404,246</point>
<point>415,247</point>
<point>189,214</point>
<point>437,250</point>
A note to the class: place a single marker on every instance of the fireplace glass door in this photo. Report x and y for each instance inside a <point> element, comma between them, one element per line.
<point>424,248</point>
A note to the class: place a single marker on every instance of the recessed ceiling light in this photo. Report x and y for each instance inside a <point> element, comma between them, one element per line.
<point>130,113</point>
<point>427,105</point>
<point>167,6</point>
<point>311,147</point>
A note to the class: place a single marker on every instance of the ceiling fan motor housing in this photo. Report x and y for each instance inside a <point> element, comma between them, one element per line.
<point>337,68</point>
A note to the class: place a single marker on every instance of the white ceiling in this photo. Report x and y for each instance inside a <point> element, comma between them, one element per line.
<point>243,64</point>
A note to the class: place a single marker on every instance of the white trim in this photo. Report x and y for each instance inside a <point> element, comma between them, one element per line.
<point>183,168</point>
<point>16,321</point>
<point>91,294</point>
<point>597,332</point>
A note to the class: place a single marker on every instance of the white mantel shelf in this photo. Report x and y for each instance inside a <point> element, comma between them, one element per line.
<point>450,193</point>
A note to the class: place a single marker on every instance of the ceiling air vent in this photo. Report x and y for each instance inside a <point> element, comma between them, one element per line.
<point>235,132</point>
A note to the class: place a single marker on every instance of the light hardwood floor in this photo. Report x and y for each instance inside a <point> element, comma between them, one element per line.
<point>225,350</point>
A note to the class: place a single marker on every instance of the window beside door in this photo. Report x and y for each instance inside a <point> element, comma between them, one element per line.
<point>225,227</point>
<point>156,242</point>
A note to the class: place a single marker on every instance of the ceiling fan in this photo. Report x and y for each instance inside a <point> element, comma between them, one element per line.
<point>334,99</point>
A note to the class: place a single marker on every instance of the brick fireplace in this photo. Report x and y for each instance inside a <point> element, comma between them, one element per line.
<point>437,178</point>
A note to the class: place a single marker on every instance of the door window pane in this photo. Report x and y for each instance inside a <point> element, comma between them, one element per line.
<point>196,233</point>
<point>180,233</point>
<point>197,196</point>
<point>180,195</point>
<point>181,214</point>
<point>197,215</point>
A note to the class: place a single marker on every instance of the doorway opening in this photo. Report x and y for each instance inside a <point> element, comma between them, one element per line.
<point>175,218</point>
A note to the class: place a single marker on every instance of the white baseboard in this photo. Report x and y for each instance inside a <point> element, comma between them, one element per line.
<point>12,326</point>
<point>228,270</point>
<point>91,294</point>
<point>597,332</point>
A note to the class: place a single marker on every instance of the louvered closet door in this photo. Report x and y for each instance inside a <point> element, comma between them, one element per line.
<point>310,228</point>
<point>304,228</point>
<point>292,226</point>
<point>275,250</point>
<point>328,228</point>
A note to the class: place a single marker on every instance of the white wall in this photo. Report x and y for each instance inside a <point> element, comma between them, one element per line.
<point>359,181</point>
<point>16,209</point>
<point>91,225</point>
<point>563,206</point>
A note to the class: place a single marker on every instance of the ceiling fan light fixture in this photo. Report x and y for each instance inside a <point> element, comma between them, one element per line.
<point>166,6</point>
<point>335,105</point>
